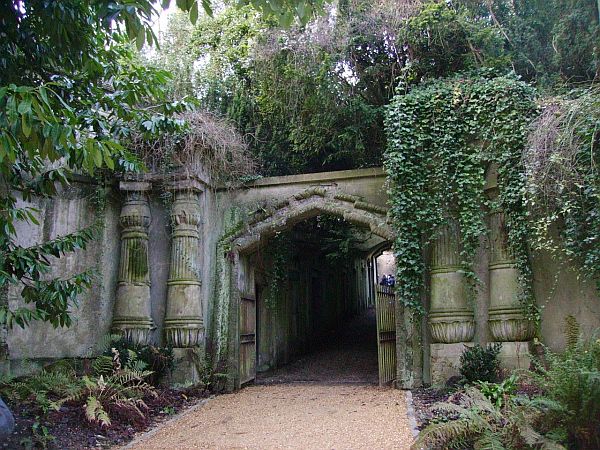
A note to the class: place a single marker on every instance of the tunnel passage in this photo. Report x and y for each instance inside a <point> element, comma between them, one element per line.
<point>315,286</point>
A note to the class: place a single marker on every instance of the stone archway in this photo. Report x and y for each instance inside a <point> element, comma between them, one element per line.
<point>267,222</point>
<point>310,203</point>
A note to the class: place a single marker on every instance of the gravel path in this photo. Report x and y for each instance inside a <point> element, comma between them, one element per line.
<point>292,416</point>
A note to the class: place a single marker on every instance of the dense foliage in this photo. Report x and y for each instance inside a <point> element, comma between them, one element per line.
<point>572,381</point>
<point>71,93</point>
<point>556,406</point>
<point>563,180</point>
<point>480,364</point>
<point>442,135</point>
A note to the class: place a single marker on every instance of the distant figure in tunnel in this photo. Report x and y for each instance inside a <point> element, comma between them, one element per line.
<point>391,280</point>
<point>388,280</point>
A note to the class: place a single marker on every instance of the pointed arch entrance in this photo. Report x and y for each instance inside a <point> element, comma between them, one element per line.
<point>282,216</point>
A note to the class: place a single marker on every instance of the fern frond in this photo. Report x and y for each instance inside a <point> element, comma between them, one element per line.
<point>489,441</point>
<point>107,342</point>
<point>102,365</point>
<point>440,435</point>
<point>95,412</point>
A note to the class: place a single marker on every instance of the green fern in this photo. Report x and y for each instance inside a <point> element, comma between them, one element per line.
<point>122,390</point>
<point>94,412</point>
<point>489,441</point>
<point>481,424</point>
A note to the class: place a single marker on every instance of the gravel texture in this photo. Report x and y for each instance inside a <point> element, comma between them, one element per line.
<point>292,416</point>
<point>328,399</point>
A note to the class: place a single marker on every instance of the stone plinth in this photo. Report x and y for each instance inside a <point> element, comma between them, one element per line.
<point>444,361</point>
<point>450,316</point>
<point>187,363</point>
<point>132,313</point>
<point>515,355</point>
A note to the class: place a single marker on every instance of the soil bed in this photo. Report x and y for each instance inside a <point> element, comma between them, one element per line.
<point>69,429</point>
<point>424,399</point>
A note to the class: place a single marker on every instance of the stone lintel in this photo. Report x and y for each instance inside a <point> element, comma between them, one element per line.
<point>134,186</point>
<point>444,361</point>
<point>185,184</point>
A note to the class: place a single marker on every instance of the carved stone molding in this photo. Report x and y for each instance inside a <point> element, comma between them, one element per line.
<point>132,316</point>
<point>184,324</point>
<point>450,317</point>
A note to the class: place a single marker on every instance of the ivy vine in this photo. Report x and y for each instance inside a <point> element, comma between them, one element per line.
<point>279,253</point>
<point>441,137</point>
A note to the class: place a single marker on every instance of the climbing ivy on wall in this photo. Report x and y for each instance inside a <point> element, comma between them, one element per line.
<point>279,253</point>
<point>441,137</point>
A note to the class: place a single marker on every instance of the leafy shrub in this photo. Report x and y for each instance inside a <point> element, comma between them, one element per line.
<point>479,363</point>
<point>499,393</point>
<point>158,360</point>
<point>112,388</point>
<point>481,424</point>
<point>572,381</point>
<point>43,389</point>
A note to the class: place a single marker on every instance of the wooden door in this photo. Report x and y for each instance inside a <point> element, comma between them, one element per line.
<point>385,307</point>
<point>247,288</point>
<point>247,340</point>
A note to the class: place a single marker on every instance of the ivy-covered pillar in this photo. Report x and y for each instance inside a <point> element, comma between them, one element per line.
<point>506,320</point>
<point>132,313</point>
<point>450,316</point>
<point>184,324</point>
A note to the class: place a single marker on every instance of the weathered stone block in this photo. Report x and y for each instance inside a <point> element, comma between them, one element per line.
<point>444,361</point>
<point>515,355</point>
<point>188,362</point>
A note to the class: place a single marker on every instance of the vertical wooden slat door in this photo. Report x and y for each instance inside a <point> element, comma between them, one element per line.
<point>385,307</point>
<point>247,288</point>
<point>247,340</point>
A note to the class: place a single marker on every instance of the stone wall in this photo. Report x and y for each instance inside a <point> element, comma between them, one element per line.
<point>73,209</point>
<point>219,214</point>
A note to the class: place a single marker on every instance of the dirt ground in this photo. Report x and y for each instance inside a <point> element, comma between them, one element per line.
<point>291,416</point>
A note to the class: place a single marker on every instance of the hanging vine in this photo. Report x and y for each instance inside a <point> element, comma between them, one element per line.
<point>279,253</point>
<point>441,136</point>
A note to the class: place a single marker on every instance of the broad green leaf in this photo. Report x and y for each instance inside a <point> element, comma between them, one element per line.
<point>140,38</point>
<point>194,13</point>
<point>25,125</point>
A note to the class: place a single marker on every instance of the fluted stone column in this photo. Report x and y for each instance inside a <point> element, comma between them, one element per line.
<point>506,319</point>
<point>451,316</point>
<point>132,313</point>
<point>184,325</point>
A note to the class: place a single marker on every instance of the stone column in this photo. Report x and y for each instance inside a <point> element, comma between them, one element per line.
<point>450,317</point>
<point>506,319</point>
<point>132,313</point>
<point>184,325</point>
